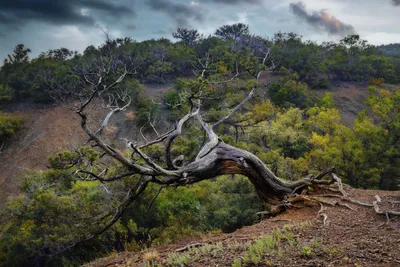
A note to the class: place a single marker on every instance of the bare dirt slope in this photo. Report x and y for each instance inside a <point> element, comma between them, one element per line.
<point>52,129</point>
<point>46,132</point>
<point>349,98</point>
<point>357,237</point>
<point>49,130</point>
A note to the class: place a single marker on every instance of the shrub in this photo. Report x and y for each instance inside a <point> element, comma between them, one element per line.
<point>8,126</point>
<point>6,93</point>
<point>306,251</point>
<point>376,81</point>
<point>177,259</point>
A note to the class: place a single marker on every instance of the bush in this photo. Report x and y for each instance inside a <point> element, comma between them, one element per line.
<point>172,99</point>
<point>289,92</point>
<point>8,126</point>
<point>6,93</point>
<point>324,83</point>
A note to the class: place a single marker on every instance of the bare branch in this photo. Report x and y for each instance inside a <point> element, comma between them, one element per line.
<point>158,169</point>
<point>174,134</point>
<point>211,136</point>
<point>237,108</point>
<point>108,179</point>
<point>109,115</point>
<point>112,152</point>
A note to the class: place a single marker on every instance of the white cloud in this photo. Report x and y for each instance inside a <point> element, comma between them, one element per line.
<point>71,37</point>
<point>378,38</point>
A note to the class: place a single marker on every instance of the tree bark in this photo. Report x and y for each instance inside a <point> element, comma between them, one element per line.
<point>226,159</point>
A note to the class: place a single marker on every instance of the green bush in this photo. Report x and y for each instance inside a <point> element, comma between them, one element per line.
<point>290,92</point>
<point>8,126</point>
<point>6,93</point>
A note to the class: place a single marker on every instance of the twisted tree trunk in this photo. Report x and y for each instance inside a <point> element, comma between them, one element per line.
<point>226,159</point>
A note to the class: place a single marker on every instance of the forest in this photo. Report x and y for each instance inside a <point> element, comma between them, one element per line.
<point>231,90</point>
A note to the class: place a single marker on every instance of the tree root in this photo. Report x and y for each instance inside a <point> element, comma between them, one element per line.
<point>378,210</point>
<point>322,214</point>
<point>308,199</point>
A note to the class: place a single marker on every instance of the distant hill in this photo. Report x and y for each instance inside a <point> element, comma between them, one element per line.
<point>390,49</point>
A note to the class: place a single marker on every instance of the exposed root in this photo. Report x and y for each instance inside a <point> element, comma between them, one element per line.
<point>356,202</point>
<point>308,199</point>
<point>339,184</point>
<point>323,215</point>
<point>378,210</point>
<point>345,205</point>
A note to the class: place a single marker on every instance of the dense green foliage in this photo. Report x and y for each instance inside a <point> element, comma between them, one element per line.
<point>286,125</point>
<point>56,210</point>
<point>351,59</point>
<point>8,126</point>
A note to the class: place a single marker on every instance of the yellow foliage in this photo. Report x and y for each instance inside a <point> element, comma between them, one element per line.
<point>384,92</point>
<point>376,81</point>
<point>222,68</point>
<point>319,140</point>
<point>263,110</point>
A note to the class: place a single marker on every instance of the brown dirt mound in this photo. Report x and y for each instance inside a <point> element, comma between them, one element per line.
<point>356,237</point>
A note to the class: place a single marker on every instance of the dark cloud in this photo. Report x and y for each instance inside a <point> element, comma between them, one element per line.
<point>396,2</point>
<point>181,13</point>
<point>60,12</point>
<point>131,27</point>
<point>236,1</point>
<point>322,20</point>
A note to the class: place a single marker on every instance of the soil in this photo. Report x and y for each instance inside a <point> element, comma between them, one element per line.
<point>357,237</point>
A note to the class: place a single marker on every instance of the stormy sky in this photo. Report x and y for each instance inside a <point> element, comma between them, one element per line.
<point>75,24</point>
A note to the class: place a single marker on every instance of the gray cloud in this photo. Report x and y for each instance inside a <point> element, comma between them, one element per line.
<point>322,21</point>
<point>184,14</point>
<point>236,1</point>
<point>181,13</point>
<point>396,2</point>
<point>14,13</point>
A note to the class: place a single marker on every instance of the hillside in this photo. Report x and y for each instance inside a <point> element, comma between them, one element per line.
<point>351,237</point>
<point>51,129</point>
<point>349,99</point>
<point>47,131</point>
